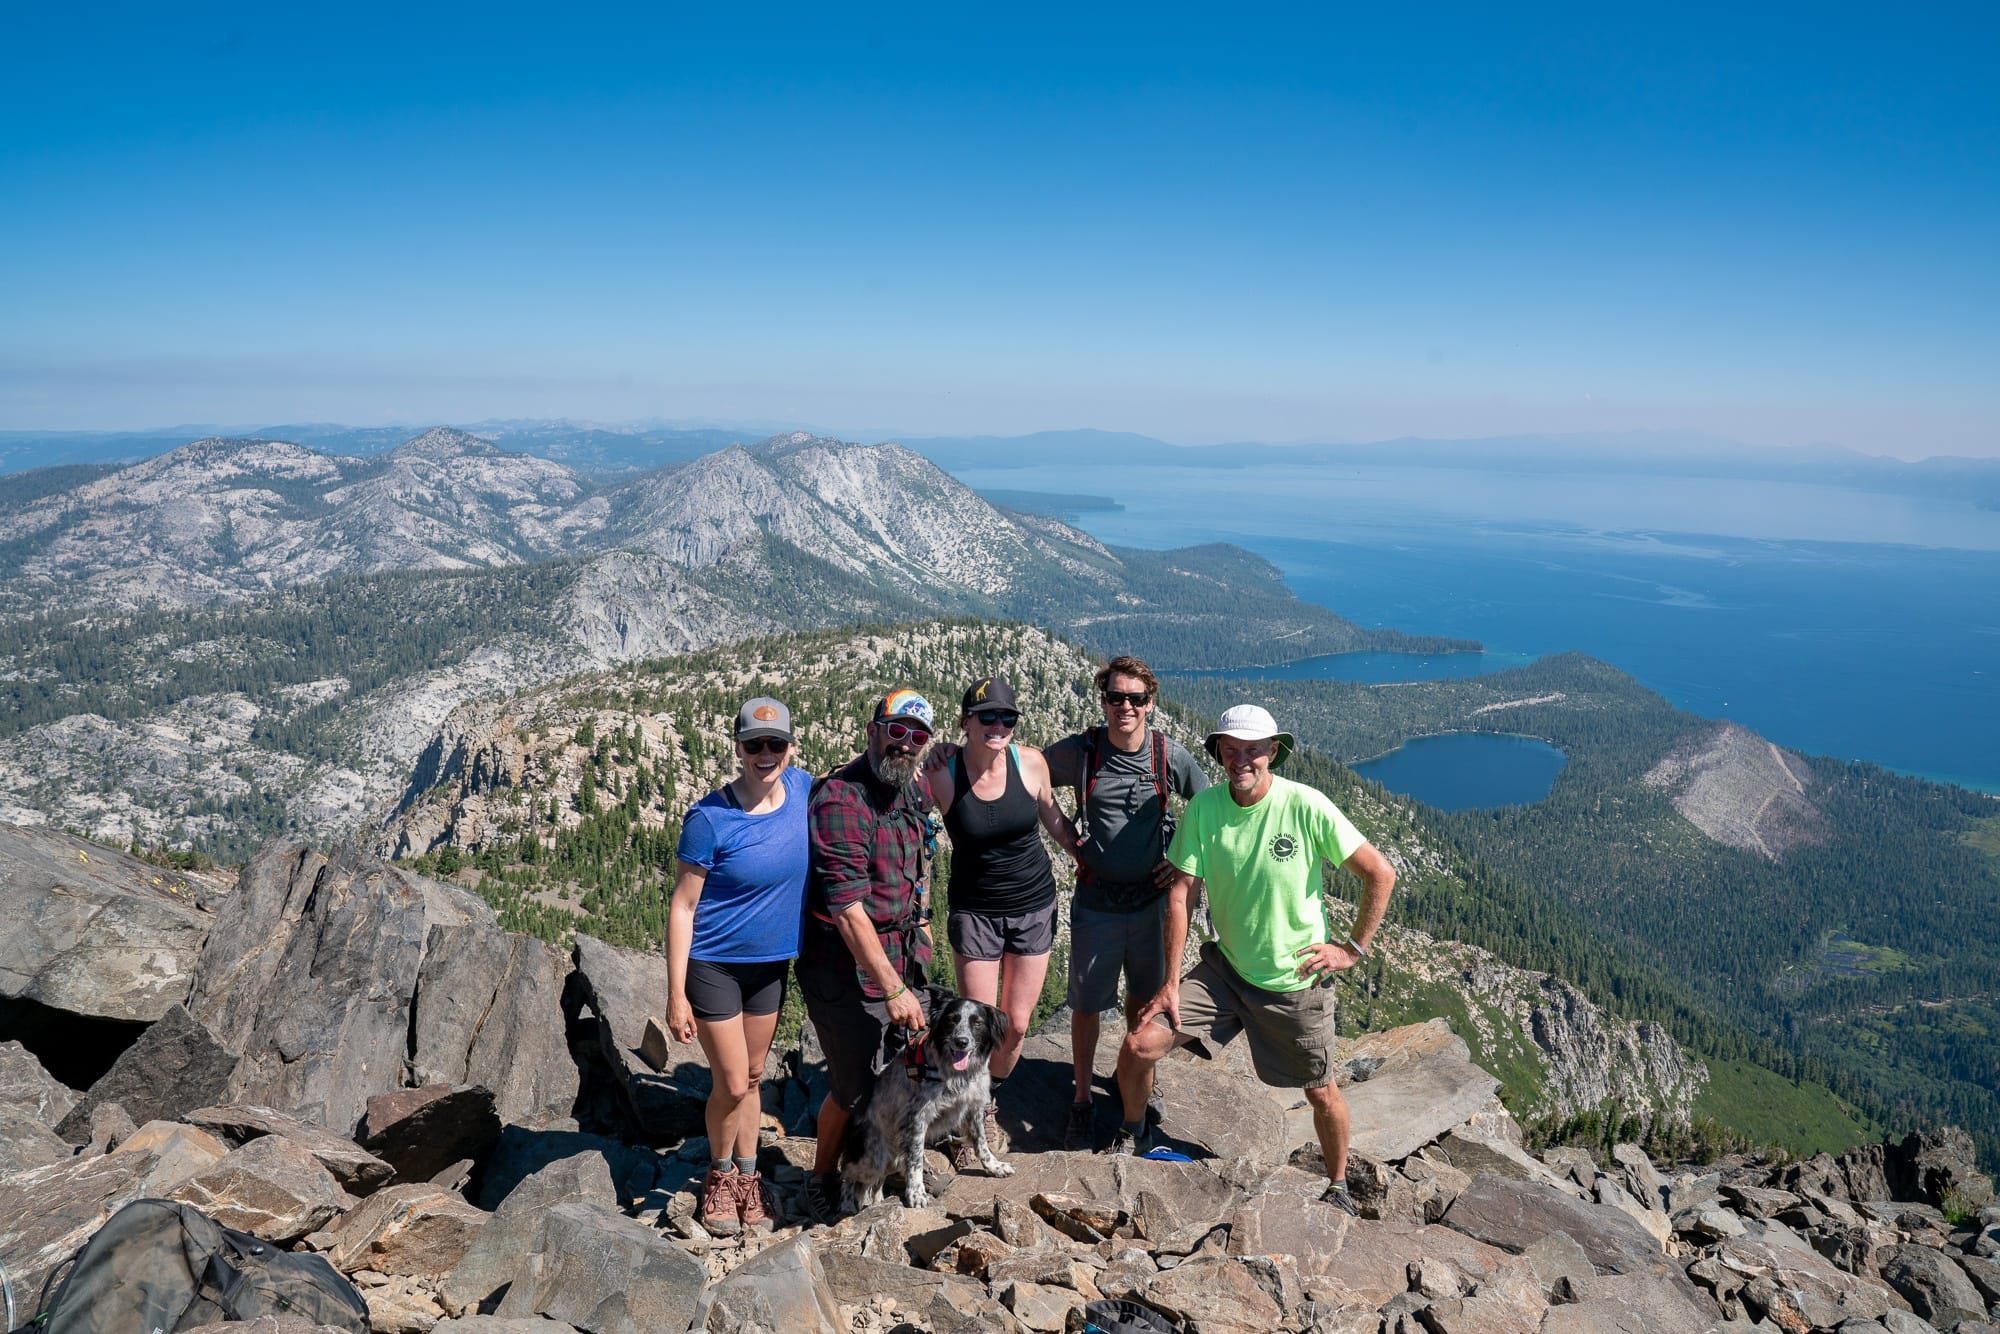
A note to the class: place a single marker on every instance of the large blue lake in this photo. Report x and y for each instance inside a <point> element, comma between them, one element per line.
<point>1468,770</point>
<point>1833,621</point>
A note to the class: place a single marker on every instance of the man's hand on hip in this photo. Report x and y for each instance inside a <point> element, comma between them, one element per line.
<point>1325,960</point>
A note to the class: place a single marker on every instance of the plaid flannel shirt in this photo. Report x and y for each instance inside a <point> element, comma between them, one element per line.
<point>867,842</point>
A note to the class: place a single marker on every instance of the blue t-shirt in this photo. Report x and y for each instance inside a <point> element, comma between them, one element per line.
<point>754,901</point>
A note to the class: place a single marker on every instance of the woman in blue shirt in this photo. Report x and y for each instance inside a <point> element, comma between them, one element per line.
<point>732,931</point>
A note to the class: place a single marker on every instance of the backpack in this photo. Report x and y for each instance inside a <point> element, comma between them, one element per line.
<point>1125,1317</point>
<point>156,1267</point>
<point>1094,747</point>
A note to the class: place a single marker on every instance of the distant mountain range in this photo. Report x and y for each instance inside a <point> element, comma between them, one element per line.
<point>247,634</point>
<point>610,451</point>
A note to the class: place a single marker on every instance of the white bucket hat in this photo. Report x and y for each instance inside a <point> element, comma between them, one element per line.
<point>1248,722</point>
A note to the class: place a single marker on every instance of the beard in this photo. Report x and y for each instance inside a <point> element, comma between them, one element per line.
<point>895,770</point>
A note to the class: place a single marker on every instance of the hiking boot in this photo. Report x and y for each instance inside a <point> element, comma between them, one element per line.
<point>750,1204</point>
<point>821,1199</point>
<point>1125,1144</point>
<point>1081,1128</point>
<point>720,1214</point>
<point>1342,1199</point>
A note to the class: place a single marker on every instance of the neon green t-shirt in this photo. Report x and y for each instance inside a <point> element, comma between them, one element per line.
<point>1261,865</point>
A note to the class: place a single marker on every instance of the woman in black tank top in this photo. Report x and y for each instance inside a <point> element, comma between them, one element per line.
<point>996,799</point>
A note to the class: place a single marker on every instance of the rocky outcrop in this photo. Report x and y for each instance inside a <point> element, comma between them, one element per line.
<point>88,931</point>
<point>346,932</point>
<point>174,1067</point>
<point>621,989</point>
<point>489,1012</point>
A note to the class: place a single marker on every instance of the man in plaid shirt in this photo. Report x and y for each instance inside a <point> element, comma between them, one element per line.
<point>867,947</point>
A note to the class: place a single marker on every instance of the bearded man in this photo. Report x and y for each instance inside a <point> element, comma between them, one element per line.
<point>866,950</point>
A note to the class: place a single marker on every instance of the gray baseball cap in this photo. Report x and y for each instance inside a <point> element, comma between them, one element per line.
<point>763,716</point>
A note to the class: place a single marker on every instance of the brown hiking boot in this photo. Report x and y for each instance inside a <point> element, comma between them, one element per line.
<point>751,1206</point>
<point>720,1215</point>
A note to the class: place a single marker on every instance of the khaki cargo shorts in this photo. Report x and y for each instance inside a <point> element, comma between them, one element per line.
<point>1291,1032</point>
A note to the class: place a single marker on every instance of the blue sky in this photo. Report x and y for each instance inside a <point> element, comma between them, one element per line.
<point>1203,223</point>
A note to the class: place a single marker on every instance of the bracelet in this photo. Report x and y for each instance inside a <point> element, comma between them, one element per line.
<point>1357,947</point>
<point>899,991</point>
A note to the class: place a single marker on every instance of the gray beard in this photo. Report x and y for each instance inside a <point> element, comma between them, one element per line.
<point>894,772</point>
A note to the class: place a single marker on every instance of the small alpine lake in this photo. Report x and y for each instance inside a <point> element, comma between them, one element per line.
<point>1458,771</point>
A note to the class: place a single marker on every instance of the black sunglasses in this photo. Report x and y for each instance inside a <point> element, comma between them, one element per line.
<point>989,717</point>
<point>1138,699</point>
<point>757,745</point>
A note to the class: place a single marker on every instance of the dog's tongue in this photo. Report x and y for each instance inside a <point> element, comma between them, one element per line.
<point>958,1061</point>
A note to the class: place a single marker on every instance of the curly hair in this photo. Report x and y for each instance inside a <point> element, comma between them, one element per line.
<point>1126,665</point>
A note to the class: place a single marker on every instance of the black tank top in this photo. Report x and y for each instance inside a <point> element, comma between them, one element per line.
<point>998,863</point>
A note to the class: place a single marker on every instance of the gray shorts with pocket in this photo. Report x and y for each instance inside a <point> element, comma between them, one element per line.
<point>1291,1032</point>
<point>1102,944</point>
<point>988,936</point>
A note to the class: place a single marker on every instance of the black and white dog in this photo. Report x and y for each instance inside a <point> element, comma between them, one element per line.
<point>925,1090</point>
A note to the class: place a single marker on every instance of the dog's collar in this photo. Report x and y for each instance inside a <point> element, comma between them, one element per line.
<point>918,1068</point>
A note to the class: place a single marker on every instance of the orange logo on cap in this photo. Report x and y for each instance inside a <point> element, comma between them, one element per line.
<point>763,713</point>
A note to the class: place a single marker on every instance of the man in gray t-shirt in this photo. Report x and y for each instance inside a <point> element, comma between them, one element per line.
<point>1117,919</point>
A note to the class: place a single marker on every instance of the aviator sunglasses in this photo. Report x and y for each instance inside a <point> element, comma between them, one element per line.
<point>1138,699</point>
<point>758,745</point>
<point>916,736</point>
<point>996,717</point>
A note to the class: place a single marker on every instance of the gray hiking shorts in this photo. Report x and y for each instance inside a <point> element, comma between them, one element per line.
<point>1291,1032</point>
<point>1103,944</point>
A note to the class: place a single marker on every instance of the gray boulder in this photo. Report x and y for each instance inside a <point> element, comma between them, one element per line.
<point>89,931</point>
<point>48,1213</point>
<point>420,1132</point>
<point>1406,1105</point>
<point>1626,1304</point>
<point>628,1171</point>
<point>493,1260</point>
<point>1933,1284</point>
<point>782,1290</point>
<point>1370,1259</point>
<point>1778,1259</point>
<point>27,1088</point>
<point>270,1188</point>
<point>604,1273</point>
<point>623,988</point>
<point>179,1152</point>
<point>308,973</point>
<point>1513,1215</point>
<point>27,1143</point>
<point>1936,1166</point>
<point>418,1230</point>
<point>174,1067</point>
<point>489,1012</point>
<point>357,1170</point>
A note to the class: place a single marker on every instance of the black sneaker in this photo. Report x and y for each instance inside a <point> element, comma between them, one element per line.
<point>821,1199</point>
<point>1081,1128</point>
<point>1125,1144</point>
<point>1342,1199</point>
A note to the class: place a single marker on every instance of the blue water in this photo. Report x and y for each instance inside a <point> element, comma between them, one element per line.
<point>1377,668</point>
<point>1832,621</point>
<point>1468,770</point>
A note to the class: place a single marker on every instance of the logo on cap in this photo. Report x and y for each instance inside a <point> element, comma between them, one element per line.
<point>980,693</point>
<point>763,713</point>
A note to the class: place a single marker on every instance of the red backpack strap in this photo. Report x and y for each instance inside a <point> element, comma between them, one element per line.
<point>1160,765</point>
<point>1093,760</point>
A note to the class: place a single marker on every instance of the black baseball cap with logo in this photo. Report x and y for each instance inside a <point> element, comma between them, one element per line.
<point>763,717</point>
<point>994,692</point>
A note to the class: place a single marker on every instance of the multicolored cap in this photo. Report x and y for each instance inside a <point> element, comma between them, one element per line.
<point>906,704</point>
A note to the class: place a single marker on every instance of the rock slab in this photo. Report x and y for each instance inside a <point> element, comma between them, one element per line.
<point>604,1273</point>
<point>174,1067</point>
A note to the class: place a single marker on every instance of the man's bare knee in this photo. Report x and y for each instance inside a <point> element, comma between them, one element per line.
<point>1148,1042</point>
<point>1326,1098</point>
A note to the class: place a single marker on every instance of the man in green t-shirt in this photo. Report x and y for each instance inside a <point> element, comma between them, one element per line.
<point>1257,841</point>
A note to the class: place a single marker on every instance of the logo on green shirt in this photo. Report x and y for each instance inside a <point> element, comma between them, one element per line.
<point>1284,847</point>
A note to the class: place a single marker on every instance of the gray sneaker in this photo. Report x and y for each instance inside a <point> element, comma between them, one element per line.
<point>1342,1199</point>
<point>1081,1128</point>
<point>1125,1144</point>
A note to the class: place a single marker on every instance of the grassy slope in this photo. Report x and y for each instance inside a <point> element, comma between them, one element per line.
<point>1770,1109</point>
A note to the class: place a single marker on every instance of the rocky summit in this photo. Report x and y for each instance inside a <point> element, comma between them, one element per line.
<point>490,1133</point>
